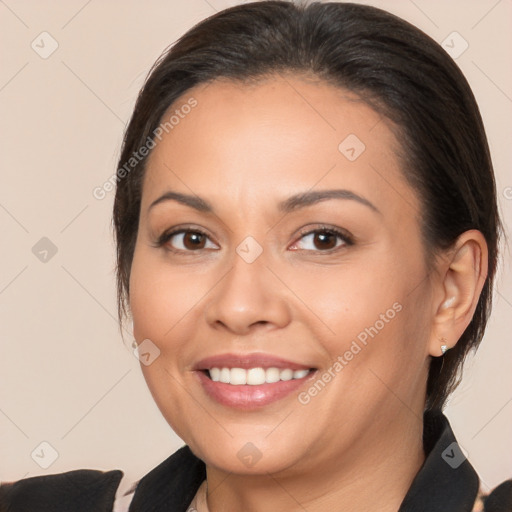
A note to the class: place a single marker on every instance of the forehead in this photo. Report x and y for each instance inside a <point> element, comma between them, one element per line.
<point>279,136</point>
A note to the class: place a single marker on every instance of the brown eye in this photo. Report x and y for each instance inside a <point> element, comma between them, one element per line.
<point>325,240</point>
<point>321,240</point>
<point>193,240</point>
<point>187,240</point>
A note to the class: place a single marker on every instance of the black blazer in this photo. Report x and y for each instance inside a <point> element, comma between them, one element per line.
<point>446,483</point>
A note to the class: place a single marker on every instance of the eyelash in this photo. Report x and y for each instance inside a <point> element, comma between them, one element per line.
<point>341,234</point>
<point>167,235</point>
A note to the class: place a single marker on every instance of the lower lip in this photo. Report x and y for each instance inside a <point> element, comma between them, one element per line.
<point>250,397</point>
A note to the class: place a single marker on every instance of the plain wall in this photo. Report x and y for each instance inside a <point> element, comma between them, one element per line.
<point>66,377</point>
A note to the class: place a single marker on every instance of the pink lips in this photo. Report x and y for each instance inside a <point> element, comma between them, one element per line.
<point>247,361</point>
<point>247,397</point>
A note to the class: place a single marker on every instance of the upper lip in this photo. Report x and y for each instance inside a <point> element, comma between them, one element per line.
<point>246,361</point>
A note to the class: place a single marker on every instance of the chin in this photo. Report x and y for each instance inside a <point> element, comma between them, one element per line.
<point>247,460</point>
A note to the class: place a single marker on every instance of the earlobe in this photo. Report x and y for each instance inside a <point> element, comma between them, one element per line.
<point>463,271</point>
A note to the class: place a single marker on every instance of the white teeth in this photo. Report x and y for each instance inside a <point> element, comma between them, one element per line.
<point>299,374</point>
<point>238,376</point>
<point>215,374</point>
<point>286,374</point>
<point>254,376</point>
<point>272,375</point>
<point>225,375</point>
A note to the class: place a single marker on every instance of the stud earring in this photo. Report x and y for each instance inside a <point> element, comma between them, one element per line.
<point>444,347</point>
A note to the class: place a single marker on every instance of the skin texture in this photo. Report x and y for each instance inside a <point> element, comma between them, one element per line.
<point>355,445</point>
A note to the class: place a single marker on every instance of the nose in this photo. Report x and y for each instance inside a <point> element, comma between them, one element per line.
<point>248,297</point>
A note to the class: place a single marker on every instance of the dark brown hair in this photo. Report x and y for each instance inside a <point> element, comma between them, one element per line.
<point>400,71</point>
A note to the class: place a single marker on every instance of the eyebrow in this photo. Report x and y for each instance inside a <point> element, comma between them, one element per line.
<point>188,200</point>
<point>309,198</point>
<point>294,202</point>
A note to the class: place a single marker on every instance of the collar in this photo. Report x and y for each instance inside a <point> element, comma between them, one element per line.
<point>446,481</point>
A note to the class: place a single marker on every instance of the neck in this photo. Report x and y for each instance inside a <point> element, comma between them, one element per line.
<point>373,476</point>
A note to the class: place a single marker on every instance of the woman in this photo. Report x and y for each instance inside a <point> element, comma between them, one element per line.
<point>307,235</point>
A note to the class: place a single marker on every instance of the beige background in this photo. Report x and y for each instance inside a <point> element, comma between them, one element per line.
<point>66,377</point>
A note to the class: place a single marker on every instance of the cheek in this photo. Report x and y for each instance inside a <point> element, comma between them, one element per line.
<point>345,299</point>
<point>146,299</point>
<point>159,301</point>
<point>160,296</point>
<point>375,309</point>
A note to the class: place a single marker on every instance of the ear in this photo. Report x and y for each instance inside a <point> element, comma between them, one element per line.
<point>462,272</point>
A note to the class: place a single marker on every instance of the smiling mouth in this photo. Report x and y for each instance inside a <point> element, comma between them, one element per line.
<point>255,376</point>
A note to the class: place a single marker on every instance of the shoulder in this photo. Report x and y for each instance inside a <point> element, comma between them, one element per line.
<point>82,490</point>
<point>169,486</point>
<point>498,500</point>
<point>447,480</point>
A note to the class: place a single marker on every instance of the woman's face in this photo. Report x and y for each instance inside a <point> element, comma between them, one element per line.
<point>293,251</point>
